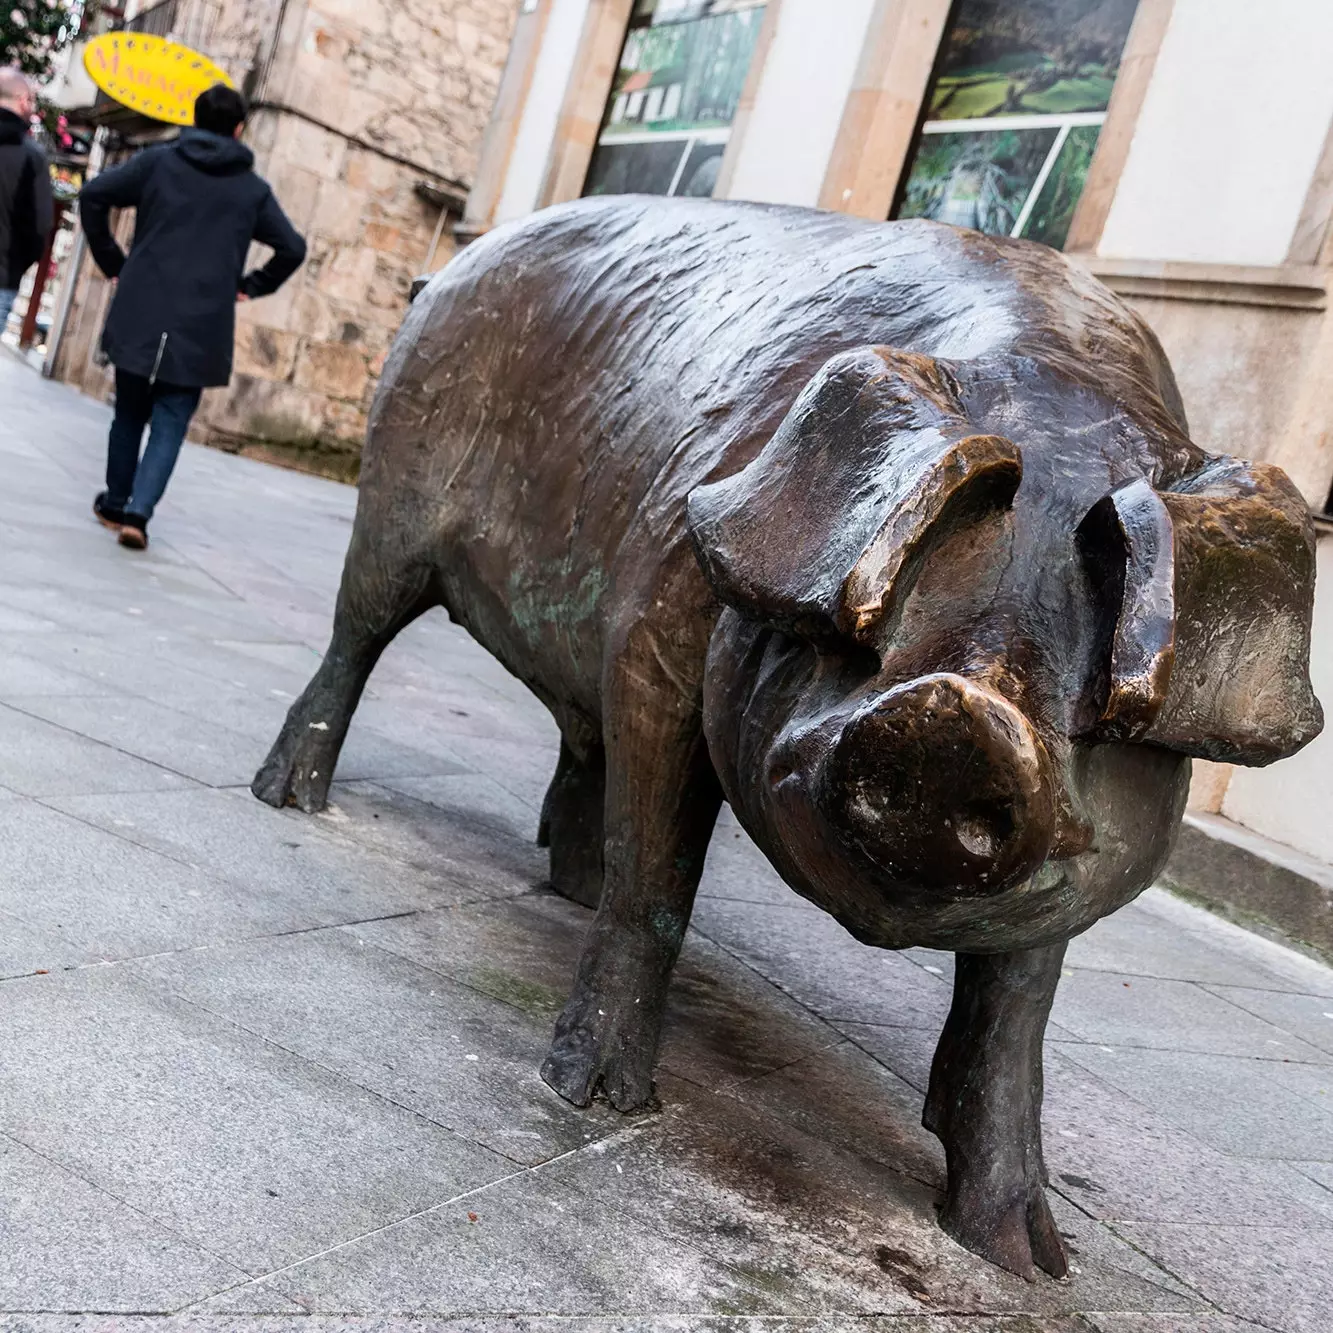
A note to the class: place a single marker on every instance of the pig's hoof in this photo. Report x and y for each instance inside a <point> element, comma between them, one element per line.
<point>288,778</point>
<point>585,1063</point>
<point>1020,1236</point>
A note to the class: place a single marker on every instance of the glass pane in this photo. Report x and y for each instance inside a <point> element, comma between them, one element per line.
<point>1016,57</point>
<point>1027,84</point>
<point>635,168</point>
<point>681,73</point>
<point>976,178</point>
<point>1054,209</point>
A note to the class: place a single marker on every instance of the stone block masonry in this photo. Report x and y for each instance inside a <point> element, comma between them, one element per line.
<point>356,104</point>
<point>364,101</point>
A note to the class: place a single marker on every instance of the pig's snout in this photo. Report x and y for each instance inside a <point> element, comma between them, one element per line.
<point>944,784</point>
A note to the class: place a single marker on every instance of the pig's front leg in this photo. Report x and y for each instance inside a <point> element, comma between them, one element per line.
<point>662,799</point>
<point>984,1104</point>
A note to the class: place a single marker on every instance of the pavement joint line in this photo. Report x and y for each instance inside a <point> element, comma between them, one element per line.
<point>128,959</point>
<point>1216,986</point>
<point>340,1075</point>
<point>1152,976</point>
<point>1215,1306</point>
<point>777,985</point>
<point>730,1091</point>
<point>331,830</point>
<point>98,1188</point>
<point>112,646</point>
<point>131,959</point>
<point>1190,1050</point>
<point>129,754</point>
<point>257,1278</point>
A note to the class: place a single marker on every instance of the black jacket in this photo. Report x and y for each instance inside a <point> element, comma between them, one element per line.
<point>198,205</point>
<point>25,200</point>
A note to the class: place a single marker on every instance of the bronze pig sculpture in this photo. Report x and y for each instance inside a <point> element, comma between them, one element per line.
<point>892,535</point>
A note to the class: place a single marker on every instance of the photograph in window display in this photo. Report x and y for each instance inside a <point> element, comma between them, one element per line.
<point>1014,112</point>
<point>668,118</point>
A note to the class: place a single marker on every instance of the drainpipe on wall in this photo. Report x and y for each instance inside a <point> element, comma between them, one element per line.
<point>448,202</point>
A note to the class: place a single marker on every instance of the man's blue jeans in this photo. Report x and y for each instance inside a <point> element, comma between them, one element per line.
<point>136,484</point>
<point>8,296</point>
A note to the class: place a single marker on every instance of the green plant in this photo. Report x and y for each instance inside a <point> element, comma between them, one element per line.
<point>33,32</point>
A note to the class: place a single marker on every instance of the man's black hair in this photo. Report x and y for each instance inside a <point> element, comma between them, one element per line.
<point>220,110</point>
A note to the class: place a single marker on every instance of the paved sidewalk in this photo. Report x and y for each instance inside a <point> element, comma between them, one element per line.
<point>255,1065</point>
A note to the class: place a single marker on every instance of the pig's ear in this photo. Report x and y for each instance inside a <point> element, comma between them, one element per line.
<point>872,466</point>
<point>1208,589</point>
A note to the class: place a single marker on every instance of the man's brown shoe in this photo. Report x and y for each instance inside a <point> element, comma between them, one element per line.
<point>108,515</point>
<point>133,535</point>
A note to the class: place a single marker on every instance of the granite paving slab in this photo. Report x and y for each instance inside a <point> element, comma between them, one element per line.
<point>308,871</point>
<point>1237,1105</point>
<point>1119,1159</point>
<point>1278,1277</point>
<point>220,1136</point>
<point>40,758</point>
<point>111,897</point>
<point>1309,1017</point>
<point>806,953</point>
<point>204,1322</point>
<point>449,843</point>
<point>1158,935</point>
<point>906,1051</point>
<point>70,1246</point>
<point>1115,1008</point>
<point>24,949</point>
<point>723,1025</point>
<point>452,1054</point>
<point>534,1242</point>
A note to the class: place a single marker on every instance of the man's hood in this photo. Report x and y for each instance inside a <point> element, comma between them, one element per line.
<point>214,153</point>
<point>13,129</point>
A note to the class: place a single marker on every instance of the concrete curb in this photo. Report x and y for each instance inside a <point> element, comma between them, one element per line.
<point>1259,883</point>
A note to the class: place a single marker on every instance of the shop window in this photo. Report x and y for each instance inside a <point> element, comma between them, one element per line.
<point>1013,112</point>
<point>675,94</point>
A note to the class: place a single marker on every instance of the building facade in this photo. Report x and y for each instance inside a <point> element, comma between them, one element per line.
<point>1182,150</point>
<point>367,118</point>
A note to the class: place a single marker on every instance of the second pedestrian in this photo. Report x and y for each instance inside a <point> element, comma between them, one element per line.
<point>26,207</point>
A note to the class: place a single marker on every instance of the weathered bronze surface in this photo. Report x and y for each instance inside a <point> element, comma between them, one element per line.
<point>892,535</point>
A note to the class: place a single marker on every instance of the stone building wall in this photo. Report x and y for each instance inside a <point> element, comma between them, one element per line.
<point>356,103</point>
<point>363,101</point>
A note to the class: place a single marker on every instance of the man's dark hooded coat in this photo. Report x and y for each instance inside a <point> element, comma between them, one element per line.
<point>25,200</point>
<point>198,205</point>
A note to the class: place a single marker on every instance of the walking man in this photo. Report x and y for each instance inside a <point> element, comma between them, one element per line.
<point>198,205</point>
<point>26,209</point>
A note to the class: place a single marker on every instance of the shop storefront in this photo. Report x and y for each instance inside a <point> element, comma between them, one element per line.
<point>1180,150</point>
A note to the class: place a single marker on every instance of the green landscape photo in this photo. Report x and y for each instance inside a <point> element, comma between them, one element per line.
<point>1030,57</point>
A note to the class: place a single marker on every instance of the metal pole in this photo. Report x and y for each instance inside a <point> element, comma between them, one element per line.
<point>435,239</point>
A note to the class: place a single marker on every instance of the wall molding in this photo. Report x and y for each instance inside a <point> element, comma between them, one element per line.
<point>1288,287</point>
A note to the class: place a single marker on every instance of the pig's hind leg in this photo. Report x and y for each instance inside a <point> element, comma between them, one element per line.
<point>572,822</point>
<point>662,800</point>
<point>380,594</point>
<point>984,1104</point>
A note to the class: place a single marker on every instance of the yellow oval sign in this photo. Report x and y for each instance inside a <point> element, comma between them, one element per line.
<point>151,75</point>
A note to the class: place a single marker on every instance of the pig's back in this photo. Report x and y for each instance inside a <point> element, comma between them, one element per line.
<point>564,383</point>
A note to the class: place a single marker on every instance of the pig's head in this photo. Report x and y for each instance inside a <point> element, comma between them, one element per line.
<point>968,645</point>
